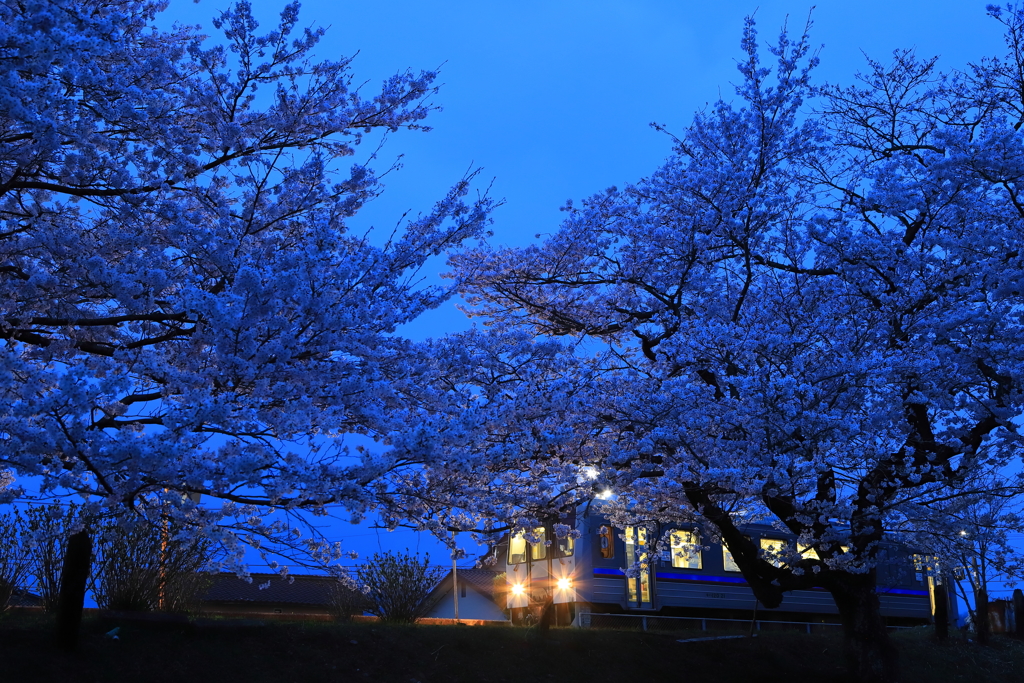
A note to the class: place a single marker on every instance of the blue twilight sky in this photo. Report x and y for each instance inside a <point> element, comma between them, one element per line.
<point>553,98</point>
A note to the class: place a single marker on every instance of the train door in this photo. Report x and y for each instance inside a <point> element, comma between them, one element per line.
<point>517,575</point>
<point>639,593</point>
<point>528,574</point>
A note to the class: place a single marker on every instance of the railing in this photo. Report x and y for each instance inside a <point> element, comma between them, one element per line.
<point>641,622</point>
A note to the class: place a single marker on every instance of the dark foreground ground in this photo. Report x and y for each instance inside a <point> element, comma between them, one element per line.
<point>250,652</point>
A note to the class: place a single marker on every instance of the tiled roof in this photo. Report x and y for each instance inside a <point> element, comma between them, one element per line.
<point>22,598</point>
<point>306,589</point>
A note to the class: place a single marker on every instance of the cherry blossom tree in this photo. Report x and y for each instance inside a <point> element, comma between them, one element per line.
<point>186,308</point>
<point>811,313</point>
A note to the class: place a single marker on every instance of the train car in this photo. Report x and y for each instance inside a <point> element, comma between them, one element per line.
<point>695,577</point>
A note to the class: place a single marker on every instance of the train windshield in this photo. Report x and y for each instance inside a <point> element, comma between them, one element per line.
<point>539,550</point>
<point>517,549</point>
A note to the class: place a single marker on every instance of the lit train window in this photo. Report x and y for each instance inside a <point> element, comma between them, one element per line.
<point>565,546</point>
<point>686,550</point>
<point>606,542</point>
<point>807,551</point>
<point>926,568</point>
<point>517,549</point>
<point>539,550</point>
<point>812,554</point>
<point>638,589</point>
<point>772,548</point>
<point>729,561</point>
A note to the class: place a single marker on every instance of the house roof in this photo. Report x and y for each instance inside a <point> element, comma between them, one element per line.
<point>304,589</point>
<point>481,580</point>
<point>22,598</point>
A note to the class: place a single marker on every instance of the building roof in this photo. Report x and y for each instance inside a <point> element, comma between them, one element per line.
<point>22,598</point>
<point>304,589</point>
<point>481,579</point>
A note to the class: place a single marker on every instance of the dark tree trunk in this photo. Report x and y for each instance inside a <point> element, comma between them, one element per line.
<point>941,612</point>
<point>547,615</point>
<point>981,615</point>
<point>871,656</point>
<point>1018,612</point>
<point>73,578</point>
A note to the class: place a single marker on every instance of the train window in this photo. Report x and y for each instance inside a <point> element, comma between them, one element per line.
<point>807,551</point>
<point>729,561</point>
<point>539,550</point>
<point>812,554</point>
<point>517,549</point>
<point>771,549</point>
<point>636,553</point>
<point>606,541</point>
<point>686,550</point>
<point>565,546</point>
<point>925,567</point>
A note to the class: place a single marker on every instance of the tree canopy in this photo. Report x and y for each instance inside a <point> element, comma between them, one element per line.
<point>811,314</point>
<point>184,307</point>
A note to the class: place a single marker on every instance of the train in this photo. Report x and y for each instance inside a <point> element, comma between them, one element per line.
<point>694,577</point>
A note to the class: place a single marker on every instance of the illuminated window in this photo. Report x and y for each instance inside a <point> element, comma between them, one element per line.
<point>636,553</point>
<point>771,548</point>
<point>728,561</point>
<point>925,567</point>
<point>807,551</point>
<point>606,542</point>
<point>565,546</point>
<point>539,550</point>
<point>517,549</point>
<point>686,550</point>
<point>812,554</point>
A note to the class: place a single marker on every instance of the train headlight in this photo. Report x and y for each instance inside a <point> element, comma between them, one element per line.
<point>564,584</point>
<point>518,589</point>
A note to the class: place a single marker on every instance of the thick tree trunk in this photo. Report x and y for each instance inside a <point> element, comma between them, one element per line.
<point>981,615</point>
<point>869,652</point>
<point>73,578</point>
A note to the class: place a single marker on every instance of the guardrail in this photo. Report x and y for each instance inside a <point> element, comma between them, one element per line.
<point>642,622</point>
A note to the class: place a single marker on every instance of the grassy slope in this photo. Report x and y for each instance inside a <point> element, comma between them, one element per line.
<point>278,653</point>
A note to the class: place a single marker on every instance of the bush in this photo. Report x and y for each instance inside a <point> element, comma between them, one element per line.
<point>143,567</point>
<point>396,584</point>
<point>14,557</point>
<point>345,599</point>
<point>49,527</point>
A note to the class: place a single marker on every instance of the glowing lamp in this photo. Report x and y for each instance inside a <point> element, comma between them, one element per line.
<point>518,589</point>
<point>564,584</point>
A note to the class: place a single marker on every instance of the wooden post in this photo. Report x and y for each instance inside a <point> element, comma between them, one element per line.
<point>73,578</point>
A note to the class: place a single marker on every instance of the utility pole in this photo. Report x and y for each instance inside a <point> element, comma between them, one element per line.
<point>455,580</point>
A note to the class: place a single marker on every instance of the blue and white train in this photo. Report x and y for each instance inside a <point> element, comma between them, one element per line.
<point>695,577</point>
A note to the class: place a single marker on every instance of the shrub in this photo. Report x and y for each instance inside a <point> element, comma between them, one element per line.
<point>344,599</point>
<point>14,557</point>
<point>48,529</point>
<point>396,584</point>
<point>144,567</point>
